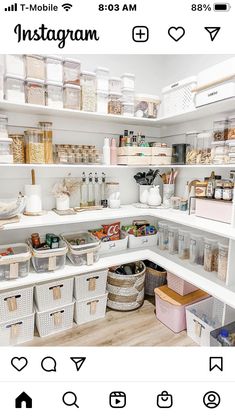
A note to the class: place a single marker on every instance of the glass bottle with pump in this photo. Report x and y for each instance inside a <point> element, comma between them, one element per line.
<point>104,201</point>
<point>97,190</point>
<point>83,201</point>
<point>91,198</point>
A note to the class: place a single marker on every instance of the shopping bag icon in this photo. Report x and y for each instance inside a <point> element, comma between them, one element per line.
<point>164,400</point>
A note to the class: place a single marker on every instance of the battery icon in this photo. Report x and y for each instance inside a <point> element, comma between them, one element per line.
<point>222,7</point>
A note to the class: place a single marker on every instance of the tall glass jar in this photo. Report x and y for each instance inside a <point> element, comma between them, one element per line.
<point>88,91</point>
<point>163,236</point>
<point>35,153</point>
<point>210,255</point>
<point>46,129</point>
<point>173,240</point>
<point>183,244</point>
<point>222,262</point>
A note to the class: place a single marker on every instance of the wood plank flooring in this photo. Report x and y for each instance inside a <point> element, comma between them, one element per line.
<point>136,328</point>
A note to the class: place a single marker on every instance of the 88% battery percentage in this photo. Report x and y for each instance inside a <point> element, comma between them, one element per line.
<point>201,7</point>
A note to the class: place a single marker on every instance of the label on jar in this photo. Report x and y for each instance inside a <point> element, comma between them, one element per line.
<point>218,193</point>
<point>228,194</point>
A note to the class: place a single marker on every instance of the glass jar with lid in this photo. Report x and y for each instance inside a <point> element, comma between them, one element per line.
<point>222,262</point>
<point>72,96</point>
<point>115,85</point>
<point>14,64</point>
<point>115,104</point>
<point>192,149</point>
<point>46,129</point>
<point>88,91</point>
<point>102,76</point>
<point>35,67</point>
<point>14,89</point>
<point>3,126</point>
<point>35,92</point>
<point>196,249</point>
<point>6,155</point>
<point>35,153</point>
<point>72,71</point>
<point>18,148</point>
<point>54,69</point>
<point>220,130</point>
<point>210,255</point>
<point>228,190</point>
<point>183,244</point>
<point>54,95</point>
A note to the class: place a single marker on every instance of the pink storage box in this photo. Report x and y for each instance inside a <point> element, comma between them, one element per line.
<point>179,285</point>
<point>214,209</point>
<point>170,307</point>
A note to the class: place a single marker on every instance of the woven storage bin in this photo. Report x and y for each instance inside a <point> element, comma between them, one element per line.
<point>126,293</point>
<point>90,309</point>
<point>54,294</point>
<point>178,97</point>
<point>17,331</point>
<point>86,254</point>
<point>17,265</point>
<point>179,285</point>
<point>16,303</point>
<point>55,320</point>
<point>90,285</point>
<point>154,279</point>
<point>48,260</point>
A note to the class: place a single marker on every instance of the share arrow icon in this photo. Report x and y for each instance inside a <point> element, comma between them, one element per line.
<point>213,32</point>
<point>78,362</point>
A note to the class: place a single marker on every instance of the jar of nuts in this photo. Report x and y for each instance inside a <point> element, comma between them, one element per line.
<point>220,130</point>
<point>115,104</point>
<point>18,148</point>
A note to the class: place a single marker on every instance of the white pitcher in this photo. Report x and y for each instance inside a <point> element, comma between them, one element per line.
<point>154,197</point>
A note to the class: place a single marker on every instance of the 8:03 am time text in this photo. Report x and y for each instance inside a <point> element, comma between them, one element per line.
<point>117,7</point>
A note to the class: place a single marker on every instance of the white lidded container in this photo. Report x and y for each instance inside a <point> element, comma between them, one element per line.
<point>88,81</point>
<point>115,85</point>
<point>178,97</point>
<point>14,88</point>
<point>128,95</point>
<point>15,65</point>
<point>102,102</point>
<point>35,91</point>
<point>216,83</point>
<point>72,96</point>
<point>72,71</point>
<point>102,79</point>
<point>6,154</point>
<point>54,95</point>
<point>54,69</point>
<point>128,81</point>
<point>127,109</point>
<point>35,67</point>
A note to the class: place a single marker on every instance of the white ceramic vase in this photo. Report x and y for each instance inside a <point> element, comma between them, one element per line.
<point>143,194</point>
<point>62,202</point>
<point>154,197</point>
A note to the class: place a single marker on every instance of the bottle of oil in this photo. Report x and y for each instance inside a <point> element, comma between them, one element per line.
<point>104,201</point>
<point>97,190</point>
<point>83,201</point>
<point>91,197</point>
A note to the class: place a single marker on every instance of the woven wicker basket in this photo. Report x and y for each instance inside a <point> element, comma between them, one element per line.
<point>153,279</point>
<point>126,293</point>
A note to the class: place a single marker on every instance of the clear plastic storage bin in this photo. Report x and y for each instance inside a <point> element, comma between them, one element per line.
<point>15,263</point>
<point>51,295</point>
<point>14,89</point>
<point>54,69</point>
<point>183,244</point>
<point>72,71</point>
<point>14,65</point>
<point>115,85</point>
<point>54,96</point>
<point>146,106</point>
<point>88,91</point>
<point>90,285</point>
<point>87,252</point>
<point>102,77</point>
<point>55,320</point>
<point>210,255</point>
<point>173,239</point>
<point>72,96</point>
<point>222,262</point>
<point>162,236</point>
<point>48,260</point>
<point>196,249</point>
<point>17,331</point>
<point>35,67</point>
<point>35,92</point>
<point>16,303</point>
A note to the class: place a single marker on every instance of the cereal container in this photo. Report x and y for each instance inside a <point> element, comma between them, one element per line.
<point>196,249</point>
<point>220,130</point>
<point>18,148</point>
<point>115,104</point>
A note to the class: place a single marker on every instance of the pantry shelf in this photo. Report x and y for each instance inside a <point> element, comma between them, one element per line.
<point>102,166</point>
<point>126,211</point>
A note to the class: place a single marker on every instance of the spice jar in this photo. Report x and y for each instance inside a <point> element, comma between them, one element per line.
<point>220,130</point>
<point>35,92</point>
<point>18,148</point>
<point>46,129</point>
<point>228,190</point>
<point>115,104</point>
<point>196,249</point>
<point>163,236</point>
<point>222,262</point>
<point>115,85</point>
<point>34,147</point>
<point>3,126</point>
<point>183,244</point>
<point>35,67</point>
<point>102,77</point>
<point>173,239</point>
<point>72,71</point>
<point>54,95</point>
<point>200,189</point>
<point>54,69</point>
<point>6,156</point>
<point>14,89</point>
<point>72,96</point>
<point>219,185</point>
<point>210,255</point>
<point>88,91</point>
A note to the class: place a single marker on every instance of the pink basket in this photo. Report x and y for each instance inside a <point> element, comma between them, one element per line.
<point>179,285</point>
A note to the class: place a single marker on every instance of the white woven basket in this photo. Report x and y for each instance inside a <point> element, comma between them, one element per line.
<point>90,309</point>
<point>178,97</point>
<point>54,294</point>
<point>55,320</point>
<point>16,303</point>
<point>179,285</point>
<point>90,285</point>
<point>17,331</point>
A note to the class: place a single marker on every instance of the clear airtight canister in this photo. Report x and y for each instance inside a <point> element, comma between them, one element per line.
<point>72,96</point>
<point>88,81</point>
<point>173,239</point>
<point>102,75</point>
<point>54,95</point>
<point>210,255</point>
<point>162,236</point>
<point>54,69</point>
<point>14,89</point>
<point>183,244</point>
<point>196,249</point>
<point>72,71</point>
<point>222,262</point>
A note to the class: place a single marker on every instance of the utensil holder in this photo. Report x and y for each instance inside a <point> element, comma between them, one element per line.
<point>168,192</point>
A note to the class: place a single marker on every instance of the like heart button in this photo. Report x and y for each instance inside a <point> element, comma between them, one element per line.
<point>19,363</point>
<point>176,33</point>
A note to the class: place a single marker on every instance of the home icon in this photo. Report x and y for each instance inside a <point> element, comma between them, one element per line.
<point>23,400</point>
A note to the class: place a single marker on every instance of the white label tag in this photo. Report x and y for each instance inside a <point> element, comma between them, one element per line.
<point>90,258</point>
<point>52,263</point>
<point>14,271</point>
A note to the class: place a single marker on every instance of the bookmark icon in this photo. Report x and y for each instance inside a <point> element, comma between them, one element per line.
<point>78,361</point>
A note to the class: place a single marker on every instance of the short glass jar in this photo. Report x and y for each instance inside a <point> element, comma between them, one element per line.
<point>72,96</point>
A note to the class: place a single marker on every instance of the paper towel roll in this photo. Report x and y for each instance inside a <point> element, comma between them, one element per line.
<point>34,198</point>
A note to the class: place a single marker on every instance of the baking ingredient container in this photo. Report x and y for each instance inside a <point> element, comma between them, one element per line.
<point>146,106</point>
<point>88,91</point>
<point>128,95</point>
<point>173,239</point>
<point>35,67</point>
<point>72,96</point>
<point>54,69</point>
<point>35,153</point>
<point>222,262</point>
<point>35,91</point>
<point>127,109</point>
<point>54,95</point>
<point>14,65</point>
<point>72,71</point>
<point>210,255</point>
<point>46,129</point>
<point>14,89</point>
<point>102,102</point>
<point>196,249</point>
<point>102,79</point>
<point>3,126</point>
<point>183,244</point>
<point>220,130</point>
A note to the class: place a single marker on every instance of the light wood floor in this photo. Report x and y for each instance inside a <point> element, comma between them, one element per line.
<point>136,328</point>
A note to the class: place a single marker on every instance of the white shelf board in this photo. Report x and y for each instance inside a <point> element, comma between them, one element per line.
<point>101,166</point>
<point>126,211</point>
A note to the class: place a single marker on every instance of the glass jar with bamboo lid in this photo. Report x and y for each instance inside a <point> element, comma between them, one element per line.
<point>18,148</point>
<point>46,128</point>
<point>35,153</point>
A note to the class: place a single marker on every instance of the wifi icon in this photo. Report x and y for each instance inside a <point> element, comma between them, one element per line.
<point>67,6</point>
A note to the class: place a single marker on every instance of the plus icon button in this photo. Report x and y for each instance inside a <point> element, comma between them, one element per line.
<point>140,34</point>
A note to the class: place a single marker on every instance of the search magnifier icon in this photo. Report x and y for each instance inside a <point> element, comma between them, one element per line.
<point>70,399</point>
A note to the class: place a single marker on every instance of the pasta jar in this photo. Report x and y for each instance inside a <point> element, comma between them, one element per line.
<point>54,69</point>
<point>146,106</point>
<point>35,92</point>
<point>88,91</point>
<point>54,95</point>
<point>210,255</point>
<point>35,153</point>
<point>35,67</point>
<point>18,148</point>
<point>196,249</point>
<point>115,104</point>
<point>163,236</point>
<point>115,85</point>
<point>6,156</point>
<point>220,130</point>
<point>72,71</point>
<point>128,81</point>
<point>72,96</point>
<point>14,89</point>
<point>102,77</point>
<point>102,102</point>
<point>173,240</point>
<point>183,244</point>
<point>222,262</point>
<point>14,65</point>
<point>46,129</point>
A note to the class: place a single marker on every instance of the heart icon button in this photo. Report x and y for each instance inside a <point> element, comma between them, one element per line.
<point>19,363</point>
<point>176,33</point>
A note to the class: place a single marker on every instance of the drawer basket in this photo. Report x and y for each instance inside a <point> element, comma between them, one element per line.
<point>55,320</point>
<point>90,309</point>
<point>54,294</point>
<point>17,331</point>
<point>90,285</point>
<point>16,304</point>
